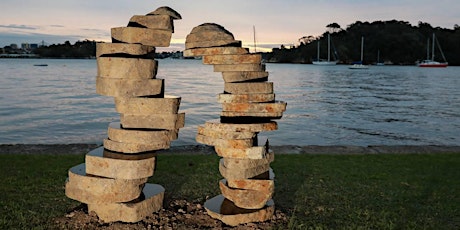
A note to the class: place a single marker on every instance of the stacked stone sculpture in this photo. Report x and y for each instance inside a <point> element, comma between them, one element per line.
<point>112,181</point>
<point>248,107</point>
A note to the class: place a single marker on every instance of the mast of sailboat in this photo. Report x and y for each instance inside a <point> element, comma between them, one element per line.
<point>254,31</point>
<point>362,48</point>
<point>432,48</point>
<point>317,51</point>
<point>328,47</point>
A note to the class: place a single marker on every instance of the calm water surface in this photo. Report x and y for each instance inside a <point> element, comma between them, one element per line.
<point>389,105</point>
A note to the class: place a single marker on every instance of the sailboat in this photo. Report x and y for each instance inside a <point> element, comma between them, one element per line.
<point>431,62</point>
<point>378,59</point>
<point>359,65</point>
<point>324,62</point>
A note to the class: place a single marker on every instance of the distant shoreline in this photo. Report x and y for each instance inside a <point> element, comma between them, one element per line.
<point>63,149</point>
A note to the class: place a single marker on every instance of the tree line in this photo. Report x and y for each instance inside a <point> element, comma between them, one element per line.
<point>396,42</point>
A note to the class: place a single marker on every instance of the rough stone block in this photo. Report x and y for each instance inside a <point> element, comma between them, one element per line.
<point>126,147</point>
<point>232,59</point>
<point>245,98</point>
<point>276,107</point>
<point>249,88</point>
<point>153,121</point>
<point>121,87</point>
<point>258,152</point>
<point>241,173</point>
<point>213,43</point>
<point>239,67</point>
<point>118,134</point>
<point>198,52</point>
<point>111,49</point>
<point>133,68</point>
<point>113,165</point>
<point>236,76</point>
<point>226,211</point>
<point>249,115</point>
<point>144,36</point>
<point>219,134</point>
<point>93,189</point>
<point>225,143</point>
<point>237,163</point>
<point>255,128</point>
<point>165,10</point>
<point>135,105</point>
<point>159,22</point>
<point>246,198</point>
<point>254,183</point>
<point>149,202</point>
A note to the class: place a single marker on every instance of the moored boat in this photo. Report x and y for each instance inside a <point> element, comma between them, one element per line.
<point>431,62</point>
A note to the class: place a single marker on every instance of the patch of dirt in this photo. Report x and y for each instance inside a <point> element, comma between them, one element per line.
<point>179,214</point>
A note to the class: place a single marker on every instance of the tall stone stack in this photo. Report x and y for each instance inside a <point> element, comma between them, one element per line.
<point>248,107</point>
<point>112,181</point>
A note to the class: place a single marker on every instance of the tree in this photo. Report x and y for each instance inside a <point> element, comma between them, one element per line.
<point>306,39</point>
<point>333,27</point>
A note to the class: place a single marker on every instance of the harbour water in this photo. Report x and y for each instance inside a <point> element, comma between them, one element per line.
<point>327,105</point>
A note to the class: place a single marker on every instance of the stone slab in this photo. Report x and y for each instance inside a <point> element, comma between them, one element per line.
<point>153,121</point>
<point>219,134</point>
<point>166,10</point>
<point>250,116</point>
<point>93,189</point>
<point>111,49</point>
<point>159,22</point>
<point>224,210</point>
<point>239,67</point>
<point>260,151</point>
<point>238,163</point>
<point>116,133</point>
<point>136,105</point>
<point>249,88</point>
<point>254,183</point>
<point>275,107</point>
<point>198,52</point>
<point>232,59</point>
<point>149,202</point>
<point>246,198</point>
<point>112,166</point>
<point>225,143</point>
<point>144,36</point>
<point>241,173</point>
<point>127,147</point>
<point>119,87</point>
<point>237,76</point>
<point>132,68</point>
<point>255,128</point>
<point>245,98</point>
<point>212,43</point>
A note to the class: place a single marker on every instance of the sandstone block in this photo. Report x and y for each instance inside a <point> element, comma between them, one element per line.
<point>236,76</point>
<point>198,52</point>
<point>159,22</point>
<point>249,88</point>
<point>144,36</point>
<point>93,189</point>
<point>219,134</point>
<point>126,147</point>
<point>255,128</point>
<point>248,115</point>
<point>238,163</point>
<point>120,87</point>
<point>118,134</point>
<point>241,173</point>
<point>212,43</point>
<point>99,164</point>
<point>209,32</point>
<point>276,107</point>
<point>245,98</point>
<point>153,121</point>
<point>136,105</point>
<point>118,67</point>
<point>239,67</point>
<point>165,10</point>
<point>224,210</point>
<point>267,184</point>
<point>225,143</point>
<point>245,198</point>
<point>232,59</point>
<point>258,152</point>
<point>123,48</point>
<point>149,202</point>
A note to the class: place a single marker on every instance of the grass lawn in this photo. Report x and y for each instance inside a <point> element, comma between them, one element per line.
<point>416,191</point>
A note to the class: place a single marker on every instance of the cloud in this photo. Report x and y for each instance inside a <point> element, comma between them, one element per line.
<point>23,27</point>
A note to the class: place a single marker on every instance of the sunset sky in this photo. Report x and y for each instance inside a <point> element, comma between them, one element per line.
<point>277,22</point>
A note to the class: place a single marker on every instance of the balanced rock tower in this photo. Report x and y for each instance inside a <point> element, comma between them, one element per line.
<point>248,108</point>
<point>113,179</point>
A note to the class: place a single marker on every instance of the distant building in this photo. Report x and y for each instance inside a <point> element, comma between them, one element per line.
<point>33,46</point>
<point>25,46</point>
<point>13,46</point>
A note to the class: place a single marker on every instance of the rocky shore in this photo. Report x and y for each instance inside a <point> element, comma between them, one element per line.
<point>58,149</point>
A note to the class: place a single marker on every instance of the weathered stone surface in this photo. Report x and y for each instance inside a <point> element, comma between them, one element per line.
<point>255,128</point>
<point>101,165</point>
<point>226,114</point>
<point>144,36</point>
<point>276,107</point>
<point>241,173</point>
<point>225,143</point>
<point>123,48</point>
<point>237,76</point>
<point>214,51</point>
<point>245,98</point>
<point>133,68</point>
<point>165,10</point>
<point>223,209</point>
<point>153,121</point>
<point>93,189</point>
<point>249,88</point>
<point>122,87</point>
<point>213,43</point>
<point>150,201</point>
<point>219,134</point>
<point>135,105</point>
<point>126,147</point>
<point>245,198</point>
<point>257,152</point>
<point>239,67</point>
<point>266,184</point>
<point>160,22</point>
<point>237,163</point>
<point>232,59</point>
<point>209,32</point>
<point>118,134</point>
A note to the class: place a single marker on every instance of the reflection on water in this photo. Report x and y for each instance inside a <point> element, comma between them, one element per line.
<point>327,105</point>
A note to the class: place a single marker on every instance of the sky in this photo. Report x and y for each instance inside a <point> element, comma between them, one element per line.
<point>276,22</point>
